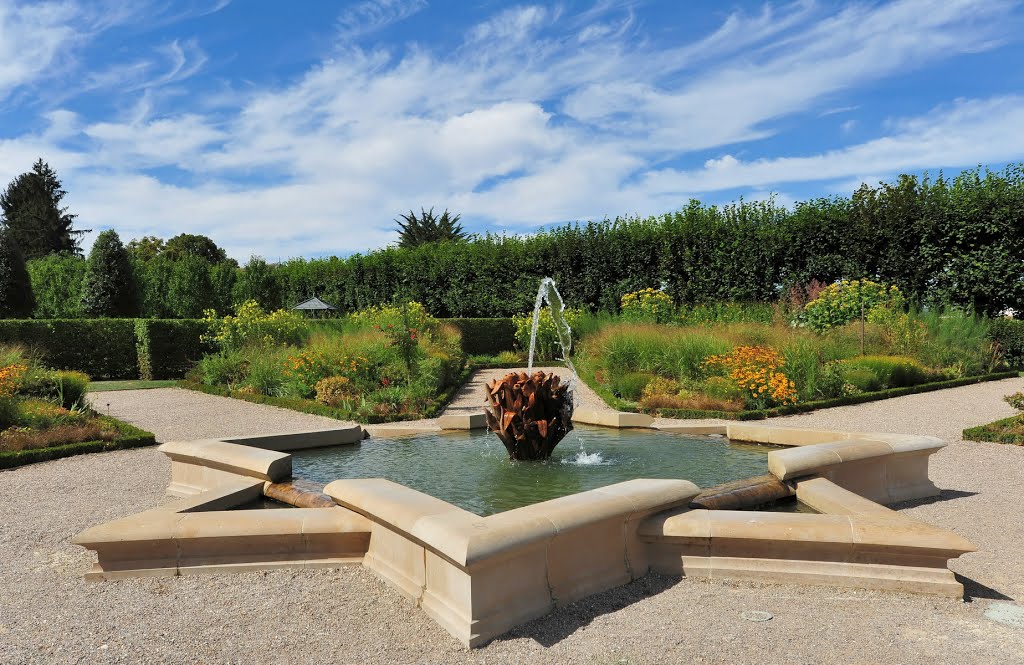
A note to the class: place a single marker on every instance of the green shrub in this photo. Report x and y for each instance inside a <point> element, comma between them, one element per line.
<point>264,374</point>
<point>891,371</point>
<point>57,285</point>
<point>863,379</point>
<point>169,348</point>
<point>102,348</point>
<point>1016,400</point>
<point>226,368</point>
<point>63,387</point>
<point>252,326</point>
<point>109,287</point>
<point>1009,334</point>
<point>335,391</point>
<point>727,312</point>
<point>547,346</point>
<point>845,301</point>
<point>42,414</point>
<point>8,412</point>
<point>648,305</point>
<point>630,386</point>
<point>16,298</point>
<point>723,388</point>
<point>485,336</point>
<point>668,351</point>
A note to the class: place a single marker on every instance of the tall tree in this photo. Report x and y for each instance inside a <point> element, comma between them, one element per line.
<point>200,246</point>
<point>57,285</point>
<point>256,282</point>
<point>190,290</point>
<point>16,299</point>
<point>32,211</point>
<point>109,288</point>
<point>145,248</point>
<point>428,227</point>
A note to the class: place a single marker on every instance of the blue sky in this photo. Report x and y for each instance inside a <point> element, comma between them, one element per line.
<point>304,129</point>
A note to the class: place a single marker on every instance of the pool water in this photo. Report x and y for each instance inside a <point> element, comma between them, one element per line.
<point>472,470</point>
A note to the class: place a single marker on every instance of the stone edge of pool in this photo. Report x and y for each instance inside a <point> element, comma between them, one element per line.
<point>478,577</point>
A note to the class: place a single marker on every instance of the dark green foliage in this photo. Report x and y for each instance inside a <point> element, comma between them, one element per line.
<point>32,212</point>
<point>63,387</point>
<point>129,437</point>
<point>102,348</point>
<point>109,288</point>
<point>16,298</point>
<point>146,248</point>
<point>428,227</point>
<point>190,290</point>
<point>256,282</point>
<point>222,280</point>
<point>190,245</point>
<point>168,349</point>
<point>57,285</point>
<point>1009,335</point>
<point>485,336</point>
<point>154,278</point>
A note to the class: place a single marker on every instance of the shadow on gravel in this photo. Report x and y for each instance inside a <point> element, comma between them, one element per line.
<point>563,622</point>
<point>976,590</point>
<point>944,495</point>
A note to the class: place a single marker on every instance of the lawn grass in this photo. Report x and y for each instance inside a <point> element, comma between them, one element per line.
<point>138,384</point>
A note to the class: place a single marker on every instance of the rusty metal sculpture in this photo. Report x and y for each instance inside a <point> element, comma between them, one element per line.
<point>530,414</point>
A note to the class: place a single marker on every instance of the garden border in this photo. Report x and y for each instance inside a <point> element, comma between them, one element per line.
<point>990,433</point>
<point>317,409</point>
<point>762,414</point>
<point>131,437</point>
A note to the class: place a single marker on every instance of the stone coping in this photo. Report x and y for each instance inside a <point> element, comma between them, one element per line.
<point>298,440</point>
<point>237,459</point>
<point>466,539</point>
<point>480,576</point>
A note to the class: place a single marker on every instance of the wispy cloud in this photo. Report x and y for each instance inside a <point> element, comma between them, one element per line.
<point>367,17</point>
<point>561,116</point>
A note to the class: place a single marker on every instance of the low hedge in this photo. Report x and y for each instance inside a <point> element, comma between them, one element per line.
<point>131,437</point>
<point>997,432</point>
<point>1009,333</point>
<point>102,348</point>
<point>485,336</point>
<point>168,348</point>
<point>686,414</point>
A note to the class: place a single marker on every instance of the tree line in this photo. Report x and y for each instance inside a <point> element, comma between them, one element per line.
<point>943,241</point>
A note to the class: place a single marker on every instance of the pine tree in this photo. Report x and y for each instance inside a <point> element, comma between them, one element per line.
<point>16,299</point>
<point>31,210</point>
<point>109,288</point>
<point>416,231</point>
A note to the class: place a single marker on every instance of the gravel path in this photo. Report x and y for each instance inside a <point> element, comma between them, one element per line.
<point>48,614</point>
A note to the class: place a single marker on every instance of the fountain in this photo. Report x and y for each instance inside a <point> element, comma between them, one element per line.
<point>531,412</point>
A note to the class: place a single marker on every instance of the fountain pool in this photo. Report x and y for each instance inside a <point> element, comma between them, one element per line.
<point>472,471</point>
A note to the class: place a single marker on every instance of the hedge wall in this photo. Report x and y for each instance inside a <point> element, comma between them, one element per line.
<point>111,348</point>
<point>102,348</point>
<point>168,348</point>
<point>485,336</point>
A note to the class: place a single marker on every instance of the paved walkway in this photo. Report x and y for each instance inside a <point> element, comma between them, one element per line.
<point>49,615</point>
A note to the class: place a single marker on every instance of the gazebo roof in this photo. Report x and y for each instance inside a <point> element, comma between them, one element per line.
<point>315,304</point>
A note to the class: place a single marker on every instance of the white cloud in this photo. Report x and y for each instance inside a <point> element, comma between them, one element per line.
<point>527,122</point>
<point>33,38</point>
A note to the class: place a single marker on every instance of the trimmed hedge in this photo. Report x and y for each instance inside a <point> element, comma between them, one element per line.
<point>1009,333</point>
<point>111,349</point>
<point>102,348</point>
<point>485,336</point>
<point>996,432</point>
<point>686,414</point>
<point>168,348</point>
<point>131,437</point>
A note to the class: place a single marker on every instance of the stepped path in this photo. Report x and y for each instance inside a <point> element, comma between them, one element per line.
<point>48,614</point>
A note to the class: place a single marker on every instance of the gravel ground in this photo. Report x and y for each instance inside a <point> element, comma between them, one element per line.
<point>48,614</point>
